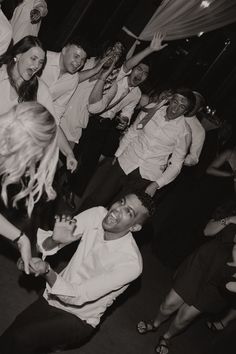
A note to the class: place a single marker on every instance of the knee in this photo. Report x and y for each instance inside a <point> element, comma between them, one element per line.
<point>169,305</point>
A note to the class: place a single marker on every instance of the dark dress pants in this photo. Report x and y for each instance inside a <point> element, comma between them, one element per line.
<point>42,328</point>
<point>110,183</point>
<point>100,137</point>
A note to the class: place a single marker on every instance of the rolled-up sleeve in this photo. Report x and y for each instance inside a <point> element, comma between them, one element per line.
<point>101,105</point>
<point>94,288</point>
<point>41,5</point>
<point>177,159</point>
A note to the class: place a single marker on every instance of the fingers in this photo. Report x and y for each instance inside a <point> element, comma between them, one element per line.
<point>65,219</point>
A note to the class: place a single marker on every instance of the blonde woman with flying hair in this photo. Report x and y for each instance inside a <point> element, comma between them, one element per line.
<point>28,158</point>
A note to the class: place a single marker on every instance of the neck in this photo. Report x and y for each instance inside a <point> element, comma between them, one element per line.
<point>61,65</point>
<point>109,236</point>
<point>16,76</point>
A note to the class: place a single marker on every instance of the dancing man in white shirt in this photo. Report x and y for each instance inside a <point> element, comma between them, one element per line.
<point>106,261</point>
<point>142,159</point>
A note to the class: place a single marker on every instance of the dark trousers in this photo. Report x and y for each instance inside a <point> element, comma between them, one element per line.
<point>110,183</point>
<point>42,328</point>
<point>99,138</point>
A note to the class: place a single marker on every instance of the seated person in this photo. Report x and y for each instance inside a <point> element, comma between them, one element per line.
<point>106,261</point>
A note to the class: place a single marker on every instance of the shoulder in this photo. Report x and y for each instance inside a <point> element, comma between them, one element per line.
<point>52,58</point>
<point>195,125</point>
<point>130,254</point>
<point>93,216</point>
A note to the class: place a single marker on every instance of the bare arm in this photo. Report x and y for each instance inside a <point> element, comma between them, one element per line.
<point>215,226</point>
<point>64,146</point>
<point>155,45</point>
<point>11,232</point>
<point>214,168</point>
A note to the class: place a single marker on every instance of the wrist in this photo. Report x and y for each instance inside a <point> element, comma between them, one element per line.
<point>47,269</point>
<point>19,238</point>
<point>225,221</point>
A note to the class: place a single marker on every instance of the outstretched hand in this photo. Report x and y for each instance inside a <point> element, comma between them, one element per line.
<point>63,229</point>
<point>156,43</point>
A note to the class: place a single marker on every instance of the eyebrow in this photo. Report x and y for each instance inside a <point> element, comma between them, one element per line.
<point>130,208</point>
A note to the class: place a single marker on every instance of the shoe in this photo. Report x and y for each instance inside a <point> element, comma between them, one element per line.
<point>144,327</point>
<point>162,346</point>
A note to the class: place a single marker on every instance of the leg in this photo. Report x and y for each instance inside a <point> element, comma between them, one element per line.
<point>104,185</point>
<point>171,304</point>
<point>41,328</point>
<point>185,315</point>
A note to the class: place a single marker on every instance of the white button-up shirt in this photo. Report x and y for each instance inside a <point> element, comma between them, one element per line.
<point>76,115</point>
<point>97,273</point>
<point>198,138</point>
<point>5,33</point>
<point>21,23</point>
<point>149,148</point>
<point>61,87</point>
<point>126,105</point>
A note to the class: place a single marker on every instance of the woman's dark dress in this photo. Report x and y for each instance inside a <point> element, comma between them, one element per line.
<point>200,280</point>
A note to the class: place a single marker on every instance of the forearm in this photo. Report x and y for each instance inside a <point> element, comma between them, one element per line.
<point>97,92</point>
<point>215,226</point>
<point>8,230</point>
<point>63,143</point>
<point>136,59</point>
<point>171,172</point>
<point>86,74</point>
<point>214,171</point>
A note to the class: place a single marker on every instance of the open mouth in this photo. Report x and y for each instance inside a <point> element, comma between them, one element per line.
<point>112,218</point>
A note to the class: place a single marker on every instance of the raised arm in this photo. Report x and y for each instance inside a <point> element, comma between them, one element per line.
<point>155,45</point>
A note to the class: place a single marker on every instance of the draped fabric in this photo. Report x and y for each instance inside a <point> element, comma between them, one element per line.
<point>178,19</point>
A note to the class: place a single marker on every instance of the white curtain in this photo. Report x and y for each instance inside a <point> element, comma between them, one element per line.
<point>178,19</point>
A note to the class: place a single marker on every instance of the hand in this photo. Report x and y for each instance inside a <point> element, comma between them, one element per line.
<point>63,229</point>
<point>71,163</point>
<point>114,161</point>
<point>25,251</point>
<point>152,188</point>
<point>231,219</point>
<point>123,122</point>
<point>38,266</point>
<point>231,286</point>
<point>35,16</point>
<point>233,263</point>
<point>156,43</point>
<point>106,70</point>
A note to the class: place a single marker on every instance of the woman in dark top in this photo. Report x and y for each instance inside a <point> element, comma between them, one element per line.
<point>199,283</point>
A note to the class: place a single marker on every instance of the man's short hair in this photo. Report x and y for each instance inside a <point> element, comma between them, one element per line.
<point>80,42</point>
<point>147,202</point>
<point>187,93</point>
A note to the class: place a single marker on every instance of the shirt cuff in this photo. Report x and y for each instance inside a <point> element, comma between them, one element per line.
<point>42,235</point>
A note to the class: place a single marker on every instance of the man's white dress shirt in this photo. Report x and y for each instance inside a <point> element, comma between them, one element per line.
<point>20,21</point>
<point>61,87</point>
<point>76,115</point>
<point>97,273</point>
<point>5,33</point>
<point>149,149</point>
<point>198,138</point>
<point>126,105</point>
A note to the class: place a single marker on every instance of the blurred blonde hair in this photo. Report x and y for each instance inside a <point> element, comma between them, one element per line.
<point>28,152</point>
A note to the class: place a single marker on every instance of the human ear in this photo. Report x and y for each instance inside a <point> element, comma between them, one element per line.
<point>135,228</point>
